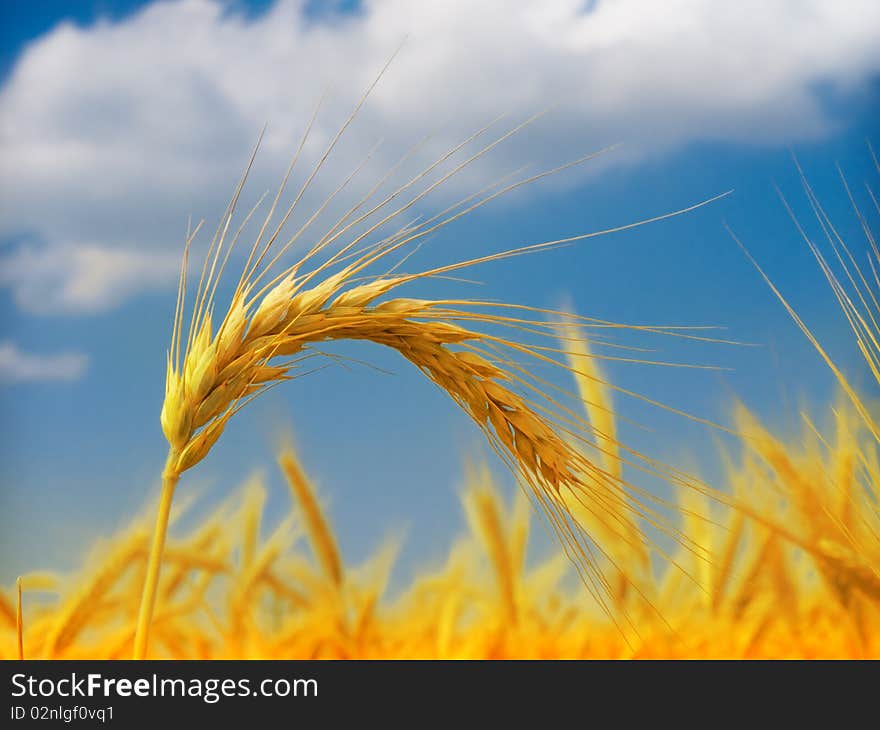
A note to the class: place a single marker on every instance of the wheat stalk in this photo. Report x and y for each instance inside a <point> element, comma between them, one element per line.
<point>212,374</point>
<point>19,619</point>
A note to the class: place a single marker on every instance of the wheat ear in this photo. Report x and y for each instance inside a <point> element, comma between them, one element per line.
<point>212,374</point>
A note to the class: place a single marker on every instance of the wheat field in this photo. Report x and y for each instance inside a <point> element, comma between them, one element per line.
<point>791,574</point>
<point>782,559</point>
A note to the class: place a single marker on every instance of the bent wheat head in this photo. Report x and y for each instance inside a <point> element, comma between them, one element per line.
<point>275,320</point>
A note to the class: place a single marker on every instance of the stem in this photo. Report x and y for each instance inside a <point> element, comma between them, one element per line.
<point>148,597</point>
<point>19,621</point>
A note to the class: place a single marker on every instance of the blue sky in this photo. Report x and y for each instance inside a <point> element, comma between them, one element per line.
<point>120,119</point>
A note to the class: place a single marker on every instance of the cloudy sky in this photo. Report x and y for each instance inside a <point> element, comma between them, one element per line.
<point>119,120</point>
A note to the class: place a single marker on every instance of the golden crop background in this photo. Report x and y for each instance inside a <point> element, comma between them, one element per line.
<point>782,559</point>
<point>792,571</point>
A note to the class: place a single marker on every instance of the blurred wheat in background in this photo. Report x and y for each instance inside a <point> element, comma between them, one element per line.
<point>793,574</point>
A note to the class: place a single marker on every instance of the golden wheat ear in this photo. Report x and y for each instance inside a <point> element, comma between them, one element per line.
<point>337,290</point>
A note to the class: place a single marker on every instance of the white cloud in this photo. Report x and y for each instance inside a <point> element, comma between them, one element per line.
<point>82,278</point>
<point>17,366</point>
<point>114,133</point>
